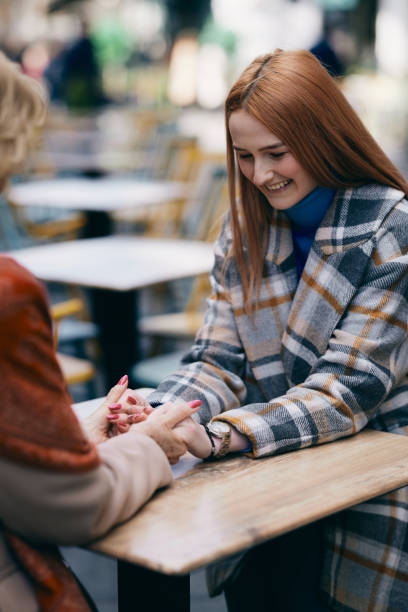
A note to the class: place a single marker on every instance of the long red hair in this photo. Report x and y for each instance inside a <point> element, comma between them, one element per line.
<point>294,96</point>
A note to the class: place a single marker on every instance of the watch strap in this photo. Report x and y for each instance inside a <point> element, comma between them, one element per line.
<point>225,444</point>
<point>225,437</point>
<point>209,434</point>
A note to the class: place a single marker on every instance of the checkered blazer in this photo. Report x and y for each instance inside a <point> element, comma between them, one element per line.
<point>323,358</point>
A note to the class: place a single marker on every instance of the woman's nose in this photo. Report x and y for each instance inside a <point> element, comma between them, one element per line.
<point>262,173</point>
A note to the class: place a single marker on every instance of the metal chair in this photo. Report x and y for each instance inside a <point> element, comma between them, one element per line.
<point>183,325</point>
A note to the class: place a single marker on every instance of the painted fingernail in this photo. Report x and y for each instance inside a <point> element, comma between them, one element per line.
<point>195,403</point>
<point>131,400</point>
<point>136,418</point>
<point>115,406</point>
<point>123,380</point>
<point>112,417</point>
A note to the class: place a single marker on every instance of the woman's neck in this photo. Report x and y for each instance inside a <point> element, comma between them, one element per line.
<point>309,212</point>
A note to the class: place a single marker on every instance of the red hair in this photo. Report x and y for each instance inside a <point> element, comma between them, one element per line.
<point>294,96</point>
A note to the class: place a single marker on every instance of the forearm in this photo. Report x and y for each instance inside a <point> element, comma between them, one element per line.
<point>218,388</point>
<point>74,508</point>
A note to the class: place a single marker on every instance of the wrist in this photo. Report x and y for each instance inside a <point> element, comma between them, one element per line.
<point>220,434</point>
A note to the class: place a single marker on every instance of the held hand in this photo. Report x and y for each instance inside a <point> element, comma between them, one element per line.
<point>161,426</point>
<point>132,408</point>
<point>96,426</point>
<point>195,437</point>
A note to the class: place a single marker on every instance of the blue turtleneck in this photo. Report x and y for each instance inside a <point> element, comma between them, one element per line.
<point>305,218</point>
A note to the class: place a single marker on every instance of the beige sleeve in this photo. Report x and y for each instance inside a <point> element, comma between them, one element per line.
<point>72,509</point>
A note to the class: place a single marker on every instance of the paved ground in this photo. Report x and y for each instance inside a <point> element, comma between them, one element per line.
<point>98,574</point>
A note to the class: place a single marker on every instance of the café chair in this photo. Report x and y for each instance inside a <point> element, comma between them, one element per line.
<point>75,369</point>
<point>150,372</point>
<point>175,160</point>
<point>183,325</point>
<point>43,224</point>
<point>202,221</point>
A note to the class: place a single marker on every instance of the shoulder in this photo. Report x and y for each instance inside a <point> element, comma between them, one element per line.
<point>15,276</point>
<point>18,285</point>
<point>358,214</point>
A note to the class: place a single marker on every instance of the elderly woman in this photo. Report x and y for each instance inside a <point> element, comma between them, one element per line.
<point>56,486</point>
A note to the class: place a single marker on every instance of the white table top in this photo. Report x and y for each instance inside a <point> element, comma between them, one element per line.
<point>119,263</point>
<point>103,194</point>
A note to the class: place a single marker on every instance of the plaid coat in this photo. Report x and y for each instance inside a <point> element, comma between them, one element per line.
<point>325,357</point>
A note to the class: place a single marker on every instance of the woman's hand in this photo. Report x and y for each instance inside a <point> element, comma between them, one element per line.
<point>195,437</point>
<point>132,408</point>
<point>162,427</point>
<point>96,425</point>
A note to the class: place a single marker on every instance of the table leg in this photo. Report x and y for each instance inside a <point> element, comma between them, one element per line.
<point>116,313</point>
<point>143,589</point>
<point>98,223</point>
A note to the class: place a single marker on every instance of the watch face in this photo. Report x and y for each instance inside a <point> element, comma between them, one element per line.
<point>219,428</point>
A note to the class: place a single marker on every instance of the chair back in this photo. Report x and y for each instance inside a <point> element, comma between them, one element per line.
<point>12,232</point>
<point>206,205</point>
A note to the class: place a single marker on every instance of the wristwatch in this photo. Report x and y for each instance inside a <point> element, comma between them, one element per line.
<point>221,430</point>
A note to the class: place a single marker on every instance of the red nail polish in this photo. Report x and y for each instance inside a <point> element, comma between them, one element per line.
<point>112,417</point>
<point>131,400</point>
<point>195,403</point>
<point>123,380</point>
<point>115,406</point>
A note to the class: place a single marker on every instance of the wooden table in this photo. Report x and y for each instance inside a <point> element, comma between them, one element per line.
<point>97,197</point>
<point>209,511</point>
<point>116,268</point>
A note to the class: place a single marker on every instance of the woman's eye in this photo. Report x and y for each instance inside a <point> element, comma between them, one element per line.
<point>244,156</point>
<point>277,155</point>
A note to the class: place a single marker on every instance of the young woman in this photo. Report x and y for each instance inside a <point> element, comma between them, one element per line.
<point>56,486</point>
<point>305,337</point>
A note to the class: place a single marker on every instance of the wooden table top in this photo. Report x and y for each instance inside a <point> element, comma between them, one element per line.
<point>220,508</point>
<point>103,194</point>
<point>119,263</point>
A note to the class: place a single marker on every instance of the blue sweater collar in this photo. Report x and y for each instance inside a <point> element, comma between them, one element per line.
<point>309,212</point>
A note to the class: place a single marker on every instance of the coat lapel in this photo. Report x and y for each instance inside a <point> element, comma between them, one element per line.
<point>333,272</point>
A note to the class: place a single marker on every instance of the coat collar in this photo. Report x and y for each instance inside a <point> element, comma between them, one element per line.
<point>353,218</point>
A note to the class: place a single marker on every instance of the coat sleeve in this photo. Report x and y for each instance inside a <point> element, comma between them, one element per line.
<point>71,509</point>
<point>213,369</point>
<point>365,360</point>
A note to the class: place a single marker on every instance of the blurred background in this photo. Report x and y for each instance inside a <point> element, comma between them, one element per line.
<point>178,57</point>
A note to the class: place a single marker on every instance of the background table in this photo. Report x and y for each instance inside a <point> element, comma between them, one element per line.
<point>223,507</point>
<point>116,268</point>
<point>96,196</point>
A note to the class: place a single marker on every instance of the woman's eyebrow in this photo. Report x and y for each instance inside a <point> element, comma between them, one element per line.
<point>276,145</point>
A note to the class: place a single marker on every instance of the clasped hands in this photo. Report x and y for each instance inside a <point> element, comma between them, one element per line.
<point>169,425</point>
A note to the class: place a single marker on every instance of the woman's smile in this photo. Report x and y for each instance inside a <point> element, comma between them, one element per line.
<point>279,187</point>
